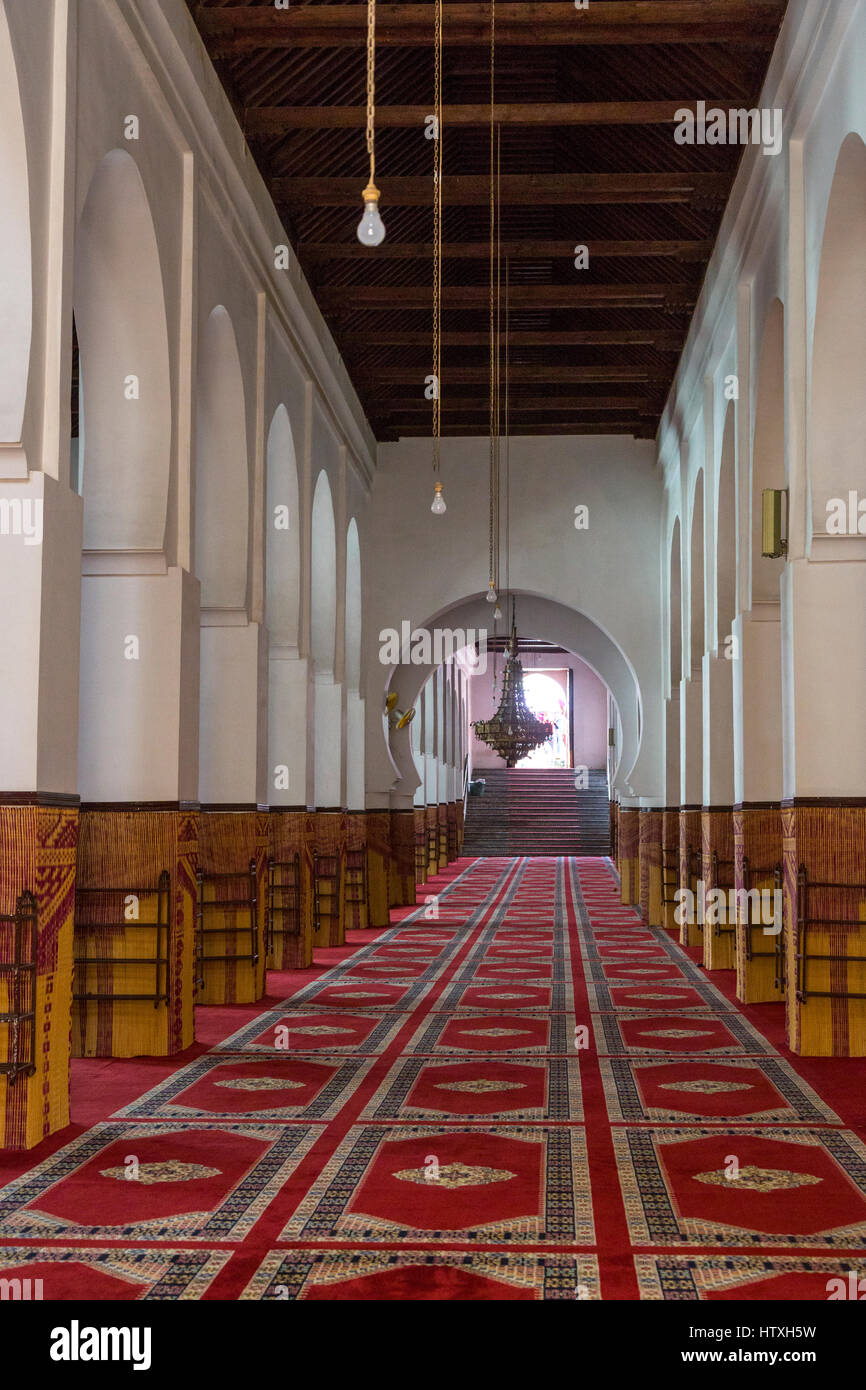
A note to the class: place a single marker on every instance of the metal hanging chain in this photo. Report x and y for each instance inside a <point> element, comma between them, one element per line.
<point>371,88</point>
<point>507,441</point>
<point>437,241</point>
<point>492,469</point>
<point>498,448</point>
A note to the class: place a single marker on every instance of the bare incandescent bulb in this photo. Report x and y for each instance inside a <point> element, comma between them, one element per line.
<point>497,613</point>
<point>437,506</point>
<point>491,593</point>
<point>371,228</point>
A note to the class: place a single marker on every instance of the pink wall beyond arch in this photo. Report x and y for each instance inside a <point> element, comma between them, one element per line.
<point>590,709</point>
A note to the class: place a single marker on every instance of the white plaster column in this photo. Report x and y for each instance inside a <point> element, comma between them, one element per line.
<point>717,716</point>
<point>672,748</point>
<point>233,740</point>
<point>758,705</point>
<point>691,742</point>
<point>328,723</point>
<point>288,684</point>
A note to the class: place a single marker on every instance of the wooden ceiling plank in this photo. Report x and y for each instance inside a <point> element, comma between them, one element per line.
<point>387,297</point>
<point>537,372</point>
<point>473,190</point>
<point>233,29</point>
<point>278,120</point>
<point>660,339</point>
<point>317,252</point>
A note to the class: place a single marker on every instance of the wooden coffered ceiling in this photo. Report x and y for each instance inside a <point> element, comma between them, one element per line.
<point>585,101</point>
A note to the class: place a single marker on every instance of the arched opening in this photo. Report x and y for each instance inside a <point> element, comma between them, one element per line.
<point>287,673</point>
<point>229,764</point>
<point>758,677</point>
<point>824,688</point>
<point>16,272</point>
<point>692,699</point>
<point>323,634</point>
<point>768,452</point>
<point>122,333</point>
<point>726,537</point>
<point>130,708</point>
<point>598,656</point>
<point>837,420</point>
<point>283,560</point>
<point>675,616</point>
<point>675,655</point>
<point>547,697</point>
<point>718,773</point>
<point>696,577</point>
<point>222,471</point>
<point>354,702</point>
<point>353,608</point>
<point>323,621</point>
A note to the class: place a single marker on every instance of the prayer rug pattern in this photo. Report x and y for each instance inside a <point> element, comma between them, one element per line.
<point>515,1091</point>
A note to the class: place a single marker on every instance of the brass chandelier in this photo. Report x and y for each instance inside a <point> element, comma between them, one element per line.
<point>514,730</point>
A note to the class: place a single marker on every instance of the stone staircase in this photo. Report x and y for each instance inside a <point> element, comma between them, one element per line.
<point>537,811</point>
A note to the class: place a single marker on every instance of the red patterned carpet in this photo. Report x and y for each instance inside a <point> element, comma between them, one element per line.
<point>518,1092</point>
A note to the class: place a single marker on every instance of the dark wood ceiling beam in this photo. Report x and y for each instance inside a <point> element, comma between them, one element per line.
<point>639,429</point>
<point>473,190</point>
<point>385,297</point>
<point>371,379</point>
<point>602,337</point>
<point>518,405</point>
<point>233,29</point>
<point>279,120</point>
<point>315,253</point>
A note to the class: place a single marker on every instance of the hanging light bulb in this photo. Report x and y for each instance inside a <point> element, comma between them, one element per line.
<point>437,506</point>
<point>371,228</point>
<point>491,593</point>
<point>497,614</point>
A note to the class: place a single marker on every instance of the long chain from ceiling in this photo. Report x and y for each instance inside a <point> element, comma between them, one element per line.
<point>371,228</point>
<point>437,243</point>
<point>494,322</point>
<point>371,88</point>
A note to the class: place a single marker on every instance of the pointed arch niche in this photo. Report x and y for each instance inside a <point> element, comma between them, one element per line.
<point>718,787</point>
<point>355,796</point>
<point>758,674</point>
<point>825,677</point>
<point>230,769</point>
<point>692,742</point>
<point>675,644</point>
<point>323,631</point>
<point>287,672</point>
<point>134,736</point>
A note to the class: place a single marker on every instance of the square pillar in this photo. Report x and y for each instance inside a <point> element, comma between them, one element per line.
<point>757,854</point>
<point>691,933</point>
<point>37,855</point>
<point>719,937</point>
<point>823,850</point>
<point>629,855</point>
<point>228,842</point>
<point>121,857</point>
<point>650,854</point>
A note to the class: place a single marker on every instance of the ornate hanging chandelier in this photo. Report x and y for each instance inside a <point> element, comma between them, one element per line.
<point>514,730</point>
